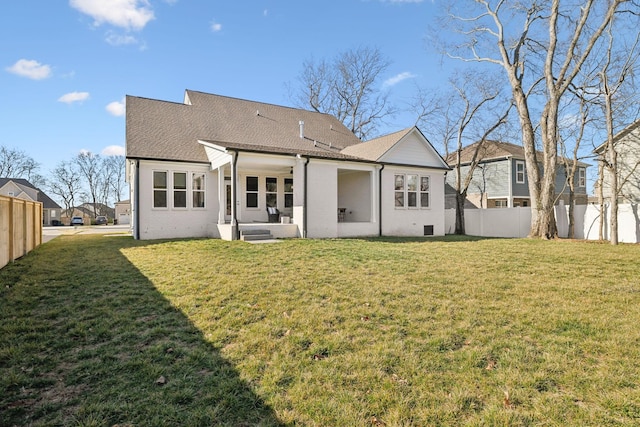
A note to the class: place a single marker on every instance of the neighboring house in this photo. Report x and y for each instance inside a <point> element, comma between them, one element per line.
<point>95,209</point>
<point>212,165</point>
<point>627,145</point>
<point>123,212</point>
<point>23,189</point>
<point>500,179</point>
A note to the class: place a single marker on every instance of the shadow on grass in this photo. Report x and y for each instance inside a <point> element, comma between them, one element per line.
<point>87,340</point>
<point>449,238</point>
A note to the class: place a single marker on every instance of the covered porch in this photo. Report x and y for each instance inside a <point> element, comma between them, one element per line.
<point>293,196</point>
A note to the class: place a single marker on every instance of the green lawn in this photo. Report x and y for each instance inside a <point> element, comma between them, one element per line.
<point>99,331</point>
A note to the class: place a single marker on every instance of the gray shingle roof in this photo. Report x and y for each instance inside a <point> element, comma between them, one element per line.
<point>494,150</point>
<point>47,202</point>
<point>170,131</point>
<point>375,148</point>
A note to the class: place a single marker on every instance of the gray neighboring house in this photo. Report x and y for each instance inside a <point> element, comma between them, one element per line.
<point>627,144</point>
<point>23,189</point>
<point>500,180</point>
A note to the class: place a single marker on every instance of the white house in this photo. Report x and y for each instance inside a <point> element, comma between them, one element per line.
<point>215,166</point>
<point>627,145</point>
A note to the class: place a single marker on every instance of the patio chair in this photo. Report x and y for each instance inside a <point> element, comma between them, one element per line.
<point>273,213</point>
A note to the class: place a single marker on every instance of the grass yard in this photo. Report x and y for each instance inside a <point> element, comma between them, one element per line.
<point>99,331</point>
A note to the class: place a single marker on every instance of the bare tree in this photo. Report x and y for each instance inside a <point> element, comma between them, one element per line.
<point>114,168</point>
<point>473,110</point>
<point>613,76</point>
<point>65,182</point>
<point>348,87</point>
<point>535,41</point>
<point>572,135</point>
<point>90,167</point>
<point>15,163</point>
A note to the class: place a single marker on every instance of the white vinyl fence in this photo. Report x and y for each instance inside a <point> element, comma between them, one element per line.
<point>516,222</point>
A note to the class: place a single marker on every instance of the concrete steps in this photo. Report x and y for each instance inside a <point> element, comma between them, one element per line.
<point>252,235</point>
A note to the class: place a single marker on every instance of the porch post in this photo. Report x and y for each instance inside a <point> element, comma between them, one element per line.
<point>234,186</point>
<point>222,193</point>
<point>374,194</point>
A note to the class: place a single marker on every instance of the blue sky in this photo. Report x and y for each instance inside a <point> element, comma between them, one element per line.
<point>66,65</point>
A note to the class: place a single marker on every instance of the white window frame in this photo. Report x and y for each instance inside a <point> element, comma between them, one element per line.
<point>287,193</point>
<point>520,180</point>
<point>155,189</point>
<point>421,192</point>
<point>256,192</point>
<point>202,190</point>
<point>405,190</point>
<point>175,190</point>
<point>582,177</point>
<point>268,193</point>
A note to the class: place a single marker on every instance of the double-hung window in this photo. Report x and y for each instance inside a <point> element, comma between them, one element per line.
<point>252,191</point>
<point>272,192</point>
<point>519,172</point>
<point>197,189</point>
<point>288,192</point>
<point>399,190</point>
<point>411,191</point>
<point>179,189</point>
<point>582,177</point>
<point>424,191</point>
<point>159,189</point>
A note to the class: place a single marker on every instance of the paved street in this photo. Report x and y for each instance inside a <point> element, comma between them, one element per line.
<point>49,233</point>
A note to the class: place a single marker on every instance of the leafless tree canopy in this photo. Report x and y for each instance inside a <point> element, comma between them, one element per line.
<point>15,163</point>
<point>348,87</point>
<point>541,47</point>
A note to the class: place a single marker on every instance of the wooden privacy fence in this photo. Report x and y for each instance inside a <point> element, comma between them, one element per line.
<point>20,228</point>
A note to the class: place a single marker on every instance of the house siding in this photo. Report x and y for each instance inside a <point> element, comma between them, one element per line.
<point>411,221</point>
<point>492,179</point>
<point>413,151</point>
<point>628,148</point>
<point>162,223</point>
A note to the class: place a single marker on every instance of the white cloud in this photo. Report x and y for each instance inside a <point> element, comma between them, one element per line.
<point>129,14</point>
<point>119,39</point>
<point>31,69</point>
<point>215,27</point>
<point>116,108</point>
<point>72,97</point>
<point>113,150</point>
<point>84,152</point>
<point>392,81</point>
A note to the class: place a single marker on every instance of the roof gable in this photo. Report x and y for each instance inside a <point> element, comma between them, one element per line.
<point>34,193</point>
<point>408,146</point>
<point>494,151</point>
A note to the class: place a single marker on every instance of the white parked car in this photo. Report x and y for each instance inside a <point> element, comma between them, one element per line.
<point>77,220</point>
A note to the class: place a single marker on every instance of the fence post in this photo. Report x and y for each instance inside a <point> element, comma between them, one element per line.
<point>11,228</point>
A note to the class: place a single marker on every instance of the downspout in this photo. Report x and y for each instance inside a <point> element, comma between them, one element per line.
<point>136,201</point>
<point>235,230</point>
<point>304,202</point>
<point>380,201</point>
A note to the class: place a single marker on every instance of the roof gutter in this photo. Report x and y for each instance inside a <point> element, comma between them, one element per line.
<point>304,203</point>
<point>235,230</point>
<point>136,200</point>
<point>380,200</point>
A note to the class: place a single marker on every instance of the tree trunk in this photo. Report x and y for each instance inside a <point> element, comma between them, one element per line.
<point>601,200</point>
<point>572,220</point>
<point>460,199</point>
